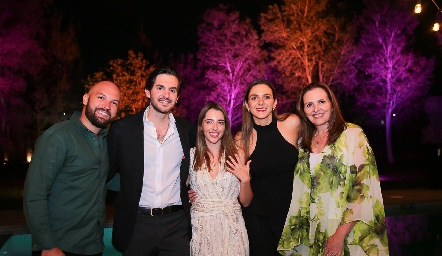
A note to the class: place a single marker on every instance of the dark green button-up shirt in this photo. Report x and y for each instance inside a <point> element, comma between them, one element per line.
<point>64,193</point>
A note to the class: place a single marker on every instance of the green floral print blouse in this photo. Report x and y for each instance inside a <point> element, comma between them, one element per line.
<point>342,187</point>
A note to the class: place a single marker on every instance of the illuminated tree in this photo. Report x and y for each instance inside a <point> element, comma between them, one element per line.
<point>230,52</point>
<point>392,76</point>
<point>20,62</point>
<point>20,52</point>
<point>307,43</point>
<point>192,94</point>
<point>130,76</point>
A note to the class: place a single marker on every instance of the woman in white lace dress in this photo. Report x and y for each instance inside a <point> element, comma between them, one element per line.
<point>219,176</point>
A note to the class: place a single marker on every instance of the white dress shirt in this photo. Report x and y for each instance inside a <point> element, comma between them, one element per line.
<point>162,161</point>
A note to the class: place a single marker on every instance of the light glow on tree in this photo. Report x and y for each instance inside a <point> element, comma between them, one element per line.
<point>230,52</point>
<point>130,76</point>
<point>392,76</point>
<point>308,43</point>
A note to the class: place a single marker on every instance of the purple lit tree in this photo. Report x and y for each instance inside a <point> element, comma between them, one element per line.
<point>230,52</point>
<point>308,43</point>
<point>194,89</point>
<point>20,62</point>
<point>391,75</point>
<point>20,52</point>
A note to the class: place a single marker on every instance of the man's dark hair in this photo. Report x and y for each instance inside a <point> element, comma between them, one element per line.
<point>159,71</point>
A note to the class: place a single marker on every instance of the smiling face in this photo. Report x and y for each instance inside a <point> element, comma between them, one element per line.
<point>101,104</point>
<point>213,126</point>
<point>261,103</point>
<point>164,93</point>
<point>317,107</point>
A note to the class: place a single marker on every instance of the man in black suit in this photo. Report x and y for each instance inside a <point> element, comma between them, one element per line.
<point>151,151</point>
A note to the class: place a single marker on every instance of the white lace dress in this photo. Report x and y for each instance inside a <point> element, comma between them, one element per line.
<point>217,224</point>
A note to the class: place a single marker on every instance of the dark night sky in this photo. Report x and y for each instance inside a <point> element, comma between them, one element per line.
<point>109,27</point>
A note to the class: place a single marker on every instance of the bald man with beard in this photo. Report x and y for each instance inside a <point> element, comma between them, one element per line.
<point>65,187</point>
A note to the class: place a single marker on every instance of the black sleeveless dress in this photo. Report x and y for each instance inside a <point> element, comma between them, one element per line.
<point>272,170</point>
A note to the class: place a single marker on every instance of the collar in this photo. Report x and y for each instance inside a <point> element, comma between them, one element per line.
<point>75,117</point>
<point>265,127</point>
<point>147,121</point>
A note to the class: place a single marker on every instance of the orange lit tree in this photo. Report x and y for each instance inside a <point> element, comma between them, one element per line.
<point>130,76</point>
<point>307,43</point>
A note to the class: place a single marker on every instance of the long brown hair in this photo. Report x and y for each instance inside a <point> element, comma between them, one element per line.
<point>227,144</point>
<point>336,123</point>
<point>247,117</point>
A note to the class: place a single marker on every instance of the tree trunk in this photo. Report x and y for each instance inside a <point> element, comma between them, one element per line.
<point>388,138</point>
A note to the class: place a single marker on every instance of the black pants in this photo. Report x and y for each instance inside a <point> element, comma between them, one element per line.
<point>264,233</point>
<point>38,253</point>
<point>160,235</point>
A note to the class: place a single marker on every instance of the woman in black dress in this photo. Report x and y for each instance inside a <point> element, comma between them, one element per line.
<point>269,140</point>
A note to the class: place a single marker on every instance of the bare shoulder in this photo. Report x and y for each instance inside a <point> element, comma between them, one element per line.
<point>238,139</point>
<point>289,128</point>
<point>292,122</point>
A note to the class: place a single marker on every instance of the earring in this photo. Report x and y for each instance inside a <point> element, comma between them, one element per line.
<point>273,109</point>
<point>248,110</point>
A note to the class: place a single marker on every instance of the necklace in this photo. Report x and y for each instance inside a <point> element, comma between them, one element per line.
<point>212,166</point>
<point>161,133</point>
<point>213,163</point>
<point>319,138</point>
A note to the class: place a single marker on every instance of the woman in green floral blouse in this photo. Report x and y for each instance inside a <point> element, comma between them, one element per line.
<point>336,206</point>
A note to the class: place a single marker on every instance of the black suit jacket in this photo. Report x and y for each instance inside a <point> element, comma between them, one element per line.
<point>126,149</point>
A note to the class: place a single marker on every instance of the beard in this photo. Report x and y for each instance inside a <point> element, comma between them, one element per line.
<point>157,108</point>
<point>97,121</point>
